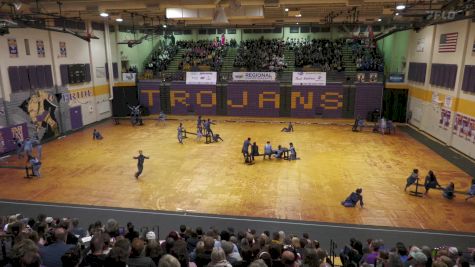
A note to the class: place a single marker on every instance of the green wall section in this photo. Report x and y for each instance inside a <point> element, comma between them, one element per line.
<point>394,48</point>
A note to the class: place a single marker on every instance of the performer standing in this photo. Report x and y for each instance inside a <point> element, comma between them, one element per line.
<point>208,128</point>
<point>199,122</point>
<point>39,148</point>
<point>28,147</point>
<point>412,179</point>
<point>293,153</point>
<point>35,165</point>
<point>180,133</point>
<point>199,131</point>
<point>140,160</point>
<point>245,149</point>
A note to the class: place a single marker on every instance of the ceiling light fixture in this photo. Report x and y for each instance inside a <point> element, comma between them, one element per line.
<point>286,9</point>
<point>397,13</point>
<point>164,26</point>
<point>400,7</point>
<point>380,19</point>
<point>298,15</point>
<point>104,15</point>
<point>119,19</point>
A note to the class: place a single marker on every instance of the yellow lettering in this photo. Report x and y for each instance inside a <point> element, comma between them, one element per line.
<point>274,97</point>
<point>200,102</point>
<point>244,101</point>
<point>179,97</point>
<point>295,95</point>
<point>150,95</point>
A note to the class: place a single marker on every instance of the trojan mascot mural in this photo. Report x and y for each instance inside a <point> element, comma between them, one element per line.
<point>41,107</point>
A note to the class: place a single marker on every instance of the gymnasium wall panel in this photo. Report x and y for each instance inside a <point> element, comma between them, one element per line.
<point>149,95</point>
<point>253,99</point>
<point>307,101</point>
<point>192,99</point>
<point>369,96</point>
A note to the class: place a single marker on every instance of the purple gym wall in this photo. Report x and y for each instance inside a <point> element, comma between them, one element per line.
<point>253,99</point>
<point>327,100</point>
<point>20,131</point>
<point>369,96</point>
<point>149,95</point>
<point>192,99</point>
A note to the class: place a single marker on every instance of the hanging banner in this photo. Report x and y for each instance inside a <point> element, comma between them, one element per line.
<point>457,123</point>
<point>12,47</point>
<point>420,45</point>
<point>309,78</point>
<point>209,77</point>
<point>464,129</point>
<point>40,48</point>
<point>435,98</point>
<point>254,76</point>
<point>448,102</point>
<point>62,49</point>
<point>129,76</point>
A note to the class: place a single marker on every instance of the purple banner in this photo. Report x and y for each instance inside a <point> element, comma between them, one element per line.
<point>306,101</point>
<point>192,99</point>
<point>369,96</point>
<point>253,99</point>
<point>149,95</point>
<point>19,131</point>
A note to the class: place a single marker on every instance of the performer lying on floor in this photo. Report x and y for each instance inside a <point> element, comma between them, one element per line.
<point>353,199</point>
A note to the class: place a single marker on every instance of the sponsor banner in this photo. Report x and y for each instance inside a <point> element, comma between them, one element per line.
<point>254,76</point>
<point>129,77</point>
<point>396,77</point>
<point>201,77</point>
<point>448,102</point>
<point>309,78</point>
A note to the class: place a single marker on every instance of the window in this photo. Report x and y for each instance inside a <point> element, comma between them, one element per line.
<point>294,29</point>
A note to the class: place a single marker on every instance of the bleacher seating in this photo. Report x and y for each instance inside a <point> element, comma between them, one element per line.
<point>52,242</point>
<point>261,55</point>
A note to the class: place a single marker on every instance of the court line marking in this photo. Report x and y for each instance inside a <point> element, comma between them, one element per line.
<point>235,218</point>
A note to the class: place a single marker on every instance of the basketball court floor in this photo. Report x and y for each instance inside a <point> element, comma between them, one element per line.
<point>213,178</point>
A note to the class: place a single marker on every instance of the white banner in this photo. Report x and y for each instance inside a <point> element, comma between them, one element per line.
<point>201,77</point>
<point>128,76</point>
<point>254,76</point>
<point>309,78</point>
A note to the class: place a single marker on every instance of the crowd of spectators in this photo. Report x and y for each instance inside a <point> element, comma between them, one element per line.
<point>202,53</point>
<point>161,57</point>
<point>366,56</point>
<point>261,55</point>
<point>324,54</point>
<point>54,242</point>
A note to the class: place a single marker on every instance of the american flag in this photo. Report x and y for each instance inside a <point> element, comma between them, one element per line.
<point>448,42</point>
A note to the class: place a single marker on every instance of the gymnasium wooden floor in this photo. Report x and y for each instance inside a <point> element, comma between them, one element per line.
<point>213,178</point>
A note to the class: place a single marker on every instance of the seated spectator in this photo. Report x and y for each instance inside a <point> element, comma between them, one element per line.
<point>218,258</point>
<point>370,258</point>
<point>168,261</point>
<point>73,258</point>
<point>136,259</point>
<point>52,253</point>
<point>76,230</point>
<point>232,256</point>
<point>449,191</point>
<point>25,253</point>
<point>261,55</point>
<point>96,256</point>
<point>353,199</point>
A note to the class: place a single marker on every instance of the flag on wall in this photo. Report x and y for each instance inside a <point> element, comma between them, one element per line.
<point>448,42</point>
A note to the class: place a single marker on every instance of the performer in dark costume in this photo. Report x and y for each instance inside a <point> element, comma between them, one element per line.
<point>289,128</point>
<point>135,113</point>
<point>431,181</point>
<point>140,160</point>
<point>254,150</point>
<point>353,199</point>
